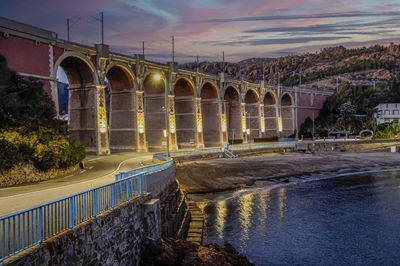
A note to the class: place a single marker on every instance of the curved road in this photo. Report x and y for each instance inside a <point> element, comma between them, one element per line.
<point>98,170</point>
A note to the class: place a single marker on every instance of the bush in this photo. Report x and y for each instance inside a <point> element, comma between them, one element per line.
<point>271,139</point>
<point>45,148</point>
<point>9,155</point>
<point>235,141</point>
<point>387,131</point>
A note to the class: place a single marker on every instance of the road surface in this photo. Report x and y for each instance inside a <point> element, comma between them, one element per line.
<point>98,170</point>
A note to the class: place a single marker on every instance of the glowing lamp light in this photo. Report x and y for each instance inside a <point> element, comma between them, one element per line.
<point>199,127</point>
<point>280,124</point>
<point>141,128</point>
<point>165,133</point>
<point>262,129</point>
<point>172,128</point>
<point>248,131</point>
<point>157,76</point>
<point>102,127</point>
<point>223,127</point>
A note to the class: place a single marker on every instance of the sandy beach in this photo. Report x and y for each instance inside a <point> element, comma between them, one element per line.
<point>212,179</point>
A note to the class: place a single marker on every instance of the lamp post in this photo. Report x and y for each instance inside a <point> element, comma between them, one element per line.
<point>158,77</point>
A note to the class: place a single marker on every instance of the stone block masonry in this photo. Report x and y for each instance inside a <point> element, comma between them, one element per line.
<point>116,237</point>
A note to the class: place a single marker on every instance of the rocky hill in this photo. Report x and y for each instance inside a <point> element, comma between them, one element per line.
<point>358,66</point>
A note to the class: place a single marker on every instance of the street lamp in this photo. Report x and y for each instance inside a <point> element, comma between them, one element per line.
<point>166,132</point>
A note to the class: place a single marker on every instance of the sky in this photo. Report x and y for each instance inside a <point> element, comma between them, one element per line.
<point>241,28</point>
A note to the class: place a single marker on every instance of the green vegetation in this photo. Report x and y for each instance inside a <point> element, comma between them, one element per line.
<point>29,131</point>
<point>351,108</point>
<point>270,139</point>
<point>387,131</point>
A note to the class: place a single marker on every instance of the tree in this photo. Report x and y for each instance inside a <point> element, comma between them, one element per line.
<point>346,118</point>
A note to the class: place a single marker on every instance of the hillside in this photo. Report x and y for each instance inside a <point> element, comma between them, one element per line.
<point>357,66</point>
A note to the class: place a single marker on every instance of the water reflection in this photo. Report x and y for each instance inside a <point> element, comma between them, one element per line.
<point>282,203</point>
<point>264,201</point>
<point>354,220</point>
<point>245,211</point>
<point>220,218</point>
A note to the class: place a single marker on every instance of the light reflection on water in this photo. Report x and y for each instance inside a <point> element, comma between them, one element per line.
<point>352,220</point>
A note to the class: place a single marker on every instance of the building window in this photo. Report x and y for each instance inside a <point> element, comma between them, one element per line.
<point>387,112</point>
<point>396,112</point>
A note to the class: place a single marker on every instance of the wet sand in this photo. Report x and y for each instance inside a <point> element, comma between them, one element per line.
<point>218,178</point>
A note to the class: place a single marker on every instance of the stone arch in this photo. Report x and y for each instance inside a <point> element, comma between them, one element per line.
<point>121,107</point>
<point>287,114</point>
<point>252,108</point>
<point>82,103</point>
<point>154,110</point>
<point>210,114</point>
<point>185,114</point>
<point>286,99</point>
<point>83,59</point>
<point>232,108</point>
<point>123,72</point>
<point>270,114</point>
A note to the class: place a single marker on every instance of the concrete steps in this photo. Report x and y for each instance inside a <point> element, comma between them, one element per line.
<point>195,232</point>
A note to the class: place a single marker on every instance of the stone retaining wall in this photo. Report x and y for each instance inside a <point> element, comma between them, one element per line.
<point>119,236</point>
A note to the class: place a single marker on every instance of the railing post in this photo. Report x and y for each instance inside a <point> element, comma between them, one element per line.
<point>94,203</point>
<point>145,184</point>
<point>140,184</point>
<point>40,224</point>
<point>71,213</point>
<point>113,195</point>
<point>127,189</point>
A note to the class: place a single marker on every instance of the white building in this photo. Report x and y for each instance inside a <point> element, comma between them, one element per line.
<point>387,113</point>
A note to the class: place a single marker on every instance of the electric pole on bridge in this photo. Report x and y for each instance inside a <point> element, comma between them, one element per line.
<point>173,50</point>
<point>102,28</point>
<point>68,29</point>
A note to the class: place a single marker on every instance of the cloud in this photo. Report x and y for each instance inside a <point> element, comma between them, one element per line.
<point>306,16</point>
<point>273,41</point>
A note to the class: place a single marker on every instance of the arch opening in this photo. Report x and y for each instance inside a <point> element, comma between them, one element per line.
<point>252,108</point>
<point>185,114</point>
<point>81,99</point>
<point>270,115</point>
<point>210,115</point>
<point>154,112</point>
<point>121,108</point>
<point>287,113</point>
<point>233,113</point>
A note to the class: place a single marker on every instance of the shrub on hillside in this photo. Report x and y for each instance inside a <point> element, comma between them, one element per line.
<point>45,148</point>
<point>387,131</point>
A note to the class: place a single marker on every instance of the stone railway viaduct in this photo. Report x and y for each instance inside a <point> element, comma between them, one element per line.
<point>203,109</point>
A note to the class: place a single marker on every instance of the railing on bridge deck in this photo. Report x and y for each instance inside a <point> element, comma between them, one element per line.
<point>27,228</point>
<point>256,146</point>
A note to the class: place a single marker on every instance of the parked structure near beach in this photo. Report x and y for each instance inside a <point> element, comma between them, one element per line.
<point>203,110</point>
<point>387,113</point>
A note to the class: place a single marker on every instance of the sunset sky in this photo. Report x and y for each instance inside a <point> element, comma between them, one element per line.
<point>241,28</point>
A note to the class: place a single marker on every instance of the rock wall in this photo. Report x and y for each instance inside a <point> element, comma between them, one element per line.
<point>116,237</point>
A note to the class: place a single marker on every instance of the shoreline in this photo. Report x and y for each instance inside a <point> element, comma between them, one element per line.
<point>219,179</point>
<point>233,194</point>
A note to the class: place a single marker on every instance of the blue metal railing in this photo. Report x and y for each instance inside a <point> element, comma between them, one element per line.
<point>30,227</point>
<point>148,169</point>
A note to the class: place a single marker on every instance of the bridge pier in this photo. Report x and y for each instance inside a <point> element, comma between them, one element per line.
<point>173,143</point>
<point>141,128</point>
<point>199,124</point>
<point>123,120</point>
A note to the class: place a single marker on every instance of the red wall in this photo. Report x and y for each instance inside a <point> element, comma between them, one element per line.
<point>25,56</point>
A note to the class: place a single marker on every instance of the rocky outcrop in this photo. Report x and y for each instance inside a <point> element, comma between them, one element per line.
<point>383,65</point>
<point>180,252</point>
